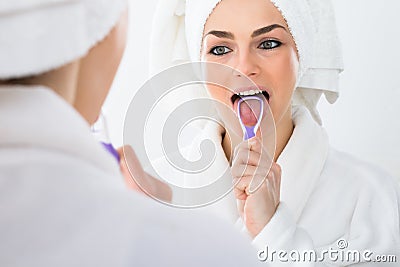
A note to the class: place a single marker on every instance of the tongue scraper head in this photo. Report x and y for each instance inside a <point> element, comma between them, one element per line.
<point>250,131</point>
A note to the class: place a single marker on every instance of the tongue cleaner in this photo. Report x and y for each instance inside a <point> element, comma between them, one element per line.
<point>100,132</point>
<point>250,131</point>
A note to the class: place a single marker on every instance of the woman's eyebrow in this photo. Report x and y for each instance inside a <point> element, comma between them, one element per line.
<point>266,30</point>
<point>221,34</point>
<point>229,35</point>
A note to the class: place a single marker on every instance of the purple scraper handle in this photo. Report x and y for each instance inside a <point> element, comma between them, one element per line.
<point>111,150</point>
<point>249,133</point>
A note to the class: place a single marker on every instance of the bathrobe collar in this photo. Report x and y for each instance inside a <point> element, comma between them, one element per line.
<point>302,160</point>
<point>36,117</point>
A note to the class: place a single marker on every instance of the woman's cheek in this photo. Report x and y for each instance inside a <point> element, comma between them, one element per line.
<point>293,64</point>
<point>289,72</point>
<point>217,93</point>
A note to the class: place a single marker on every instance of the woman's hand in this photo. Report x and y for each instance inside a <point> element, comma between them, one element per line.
<point>136,175</point>
<point>257,188</point>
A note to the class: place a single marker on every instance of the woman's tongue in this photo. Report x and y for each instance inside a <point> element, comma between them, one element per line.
<point>249,112</point>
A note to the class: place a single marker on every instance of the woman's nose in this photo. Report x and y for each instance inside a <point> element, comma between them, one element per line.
<point>247,65</point>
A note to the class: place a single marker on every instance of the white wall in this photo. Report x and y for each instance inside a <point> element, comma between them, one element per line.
<point>363,122</point>
<point>365,119</point>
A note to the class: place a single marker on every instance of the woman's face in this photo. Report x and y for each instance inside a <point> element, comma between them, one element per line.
<point>252,37</point>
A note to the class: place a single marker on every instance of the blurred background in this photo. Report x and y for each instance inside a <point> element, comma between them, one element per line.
<point>364,121</point>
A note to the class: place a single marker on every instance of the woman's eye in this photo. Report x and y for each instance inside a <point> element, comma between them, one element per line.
<point>269,44</point>
<point>220,50</point>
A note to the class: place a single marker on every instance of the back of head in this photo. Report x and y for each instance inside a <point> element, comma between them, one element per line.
<point>43,35</point>
<point>61,44</point>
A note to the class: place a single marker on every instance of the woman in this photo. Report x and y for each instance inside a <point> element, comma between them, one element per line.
<point>314,197</point>
<point>62,197</point>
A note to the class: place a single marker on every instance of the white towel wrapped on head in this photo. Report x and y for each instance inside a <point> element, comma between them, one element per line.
<point>40,35</point>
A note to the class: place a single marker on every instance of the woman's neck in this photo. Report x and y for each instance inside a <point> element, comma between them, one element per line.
<point>62,81</point>
<point>284,131</point>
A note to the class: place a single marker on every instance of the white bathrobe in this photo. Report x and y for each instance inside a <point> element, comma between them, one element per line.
<point>63,201</point>
<point>327,197</point>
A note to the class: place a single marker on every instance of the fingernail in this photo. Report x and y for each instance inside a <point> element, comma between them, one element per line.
<point>252,141</point>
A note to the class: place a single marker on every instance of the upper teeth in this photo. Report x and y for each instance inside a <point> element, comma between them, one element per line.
<point>250,92</point>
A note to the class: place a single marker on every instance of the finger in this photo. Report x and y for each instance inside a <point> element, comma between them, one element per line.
<point>124,167</point>
<point>240,206</point>
<point>256,183</point>
<point>128,155</point>
<point>245,156</point>
<point>276,168</point>
<point>160,189</point>
<point>272,180</point>
<point>254,147</point>
<point>242,183</point>
<point>255,144</point>
<point>131,168</point>
<point>242,145</point>
<point>277,174</point>
<point>271,184</point>
<point>240,195</point>
<point>248,170</point>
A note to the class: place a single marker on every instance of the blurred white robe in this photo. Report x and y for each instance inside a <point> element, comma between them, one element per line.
<point>63,201</point>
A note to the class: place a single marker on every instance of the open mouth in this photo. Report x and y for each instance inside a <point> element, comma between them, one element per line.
<point>257,92</point>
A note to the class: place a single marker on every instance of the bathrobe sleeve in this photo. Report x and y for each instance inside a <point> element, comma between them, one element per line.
<point>372,230</point>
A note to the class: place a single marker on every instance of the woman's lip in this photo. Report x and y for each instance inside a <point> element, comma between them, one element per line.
<point>236,97</point>
<point>250,88</point>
